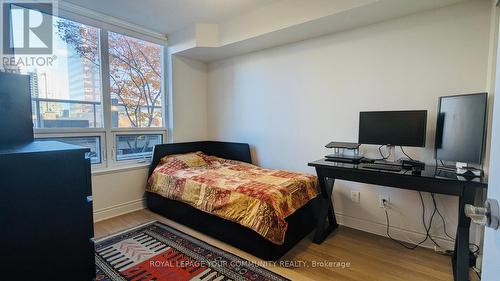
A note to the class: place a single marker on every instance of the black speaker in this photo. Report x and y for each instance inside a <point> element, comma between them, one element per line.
<point>16,123</point>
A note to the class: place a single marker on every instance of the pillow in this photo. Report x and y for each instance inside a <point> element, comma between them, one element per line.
<point>189,160</point>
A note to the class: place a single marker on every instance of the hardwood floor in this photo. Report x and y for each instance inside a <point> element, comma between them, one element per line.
<point>371,257</point>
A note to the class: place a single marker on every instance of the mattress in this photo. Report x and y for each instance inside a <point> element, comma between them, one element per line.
<point>257,198</point>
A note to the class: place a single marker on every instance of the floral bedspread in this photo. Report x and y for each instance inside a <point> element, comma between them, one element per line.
<point>257,198</point>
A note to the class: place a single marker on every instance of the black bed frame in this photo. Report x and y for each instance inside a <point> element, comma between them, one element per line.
<point>300,223</point>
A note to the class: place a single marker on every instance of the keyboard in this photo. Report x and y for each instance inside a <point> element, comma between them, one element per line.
<point>384,167</point>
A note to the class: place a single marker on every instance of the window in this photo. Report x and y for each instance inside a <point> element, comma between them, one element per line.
<point>66,93</point>
<point>136,146</point>
<point>93,142</point>
<point>135,82</point>
<point>73,102</point>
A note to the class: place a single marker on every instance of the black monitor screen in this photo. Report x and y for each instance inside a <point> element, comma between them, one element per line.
<point>461,127</point>
<point>404,128</point>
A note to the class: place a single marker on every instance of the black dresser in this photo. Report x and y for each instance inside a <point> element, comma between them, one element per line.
<point>46,212</point>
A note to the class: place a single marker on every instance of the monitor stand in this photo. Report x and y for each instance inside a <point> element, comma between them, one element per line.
<point>391,160</point>
<point>339,156</point>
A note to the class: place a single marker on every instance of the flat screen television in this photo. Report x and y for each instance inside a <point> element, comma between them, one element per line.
<point>461,128</point>
<point>398,128</point>
<point>16,123</point>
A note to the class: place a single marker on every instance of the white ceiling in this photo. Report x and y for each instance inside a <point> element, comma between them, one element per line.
<point>166,16</point>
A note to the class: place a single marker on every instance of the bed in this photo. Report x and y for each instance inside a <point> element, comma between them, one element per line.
<point>299,223</point>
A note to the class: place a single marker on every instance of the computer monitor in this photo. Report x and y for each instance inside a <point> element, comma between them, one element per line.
<point>399,128</point>
<point>461,128</point>
<point>16,122</point>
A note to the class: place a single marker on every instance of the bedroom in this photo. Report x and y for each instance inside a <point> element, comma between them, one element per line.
<point>281,79</point>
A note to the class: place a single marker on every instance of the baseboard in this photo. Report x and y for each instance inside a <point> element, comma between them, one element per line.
<point>396,232</point>
<point>343,219</point>
<point>119,209</point>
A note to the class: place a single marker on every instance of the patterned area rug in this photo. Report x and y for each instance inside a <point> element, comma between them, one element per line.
<point>157,252</point>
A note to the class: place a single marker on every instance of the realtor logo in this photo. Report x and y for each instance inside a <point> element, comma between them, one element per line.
<point>27,27</point>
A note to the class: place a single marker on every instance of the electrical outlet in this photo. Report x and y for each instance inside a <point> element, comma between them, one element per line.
<point>355,196</point>
<point>381,199</point>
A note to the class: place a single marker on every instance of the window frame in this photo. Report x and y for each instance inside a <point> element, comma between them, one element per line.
<point>122,163</point>
<point>101,136</point>
<point>108,134</point>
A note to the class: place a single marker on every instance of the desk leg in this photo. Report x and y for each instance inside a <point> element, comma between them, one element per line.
<point>460,259</point>
<point>326,209</point>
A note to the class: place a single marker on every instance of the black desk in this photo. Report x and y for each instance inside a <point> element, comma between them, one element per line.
<point>430,180</point>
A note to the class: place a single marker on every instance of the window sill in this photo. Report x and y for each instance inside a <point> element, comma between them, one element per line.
<point>119,169</point>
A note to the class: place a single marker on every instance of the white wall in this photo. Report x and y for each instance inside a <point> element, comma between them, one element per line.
<point>288,102</point>
<point>189,93</point>
<point>120,192</point>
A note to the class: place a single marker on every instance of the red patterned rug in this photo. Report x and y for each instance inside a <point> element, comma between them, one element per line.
<point>157,252</point>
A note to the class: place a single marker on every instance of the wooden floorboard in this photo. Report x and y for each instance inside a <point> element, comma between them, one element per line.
<point>371,257</point>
